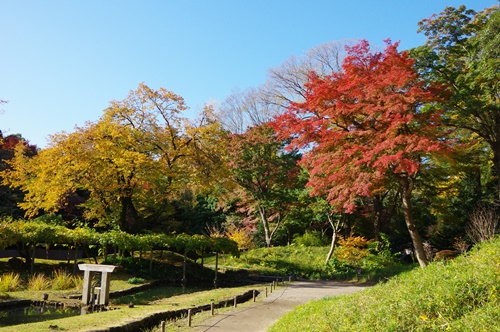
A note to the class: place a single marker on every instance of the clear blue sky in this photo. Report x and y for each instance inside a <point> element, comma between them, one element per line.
<point>62,62</point>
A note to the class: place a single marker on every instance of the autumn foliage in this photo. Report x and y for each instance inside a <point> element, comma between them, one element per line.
<point>363,125</point>
<point>366,128</point>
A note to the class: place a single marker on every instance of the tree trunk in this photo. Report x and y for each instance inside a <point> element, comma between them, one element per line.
<point>407,185</point>
<point>151,261</point>
<point>216,268</point>
<point>184,280</point>
<point>128,215</point>
<point>265,224</point>
<point>336,229</point>
<point>377,211</point>
<point>496,164</point>
<point>75,259</point>
<point>32,265</point>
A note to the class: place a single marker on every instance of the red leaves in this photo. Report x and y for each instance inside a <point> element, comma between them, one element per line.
<point>10,142</point>
<point>363,125</point>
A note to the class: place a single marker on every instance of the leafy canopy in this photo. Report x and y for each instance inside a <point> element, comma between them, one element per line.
<point>364,126</point>
<point>131,163</point>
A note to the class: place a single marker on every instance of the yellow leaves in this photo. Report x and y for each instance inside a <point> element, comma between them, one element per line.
<point>352,249</point>
<point>140,149</point>
<point>241,236</point>
<point>493,295</point>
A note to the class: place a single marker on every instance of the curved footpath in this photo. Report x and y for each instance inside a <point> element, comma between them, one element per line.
<point>261,315</point>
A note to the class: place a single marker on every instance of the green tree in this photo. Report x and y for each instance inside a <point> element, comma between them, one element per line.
<point>266,176</point>
<point>462,51</point>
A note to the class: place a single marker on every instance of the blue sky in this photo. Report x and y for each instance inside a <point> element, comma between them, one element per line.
<point>62,62</point>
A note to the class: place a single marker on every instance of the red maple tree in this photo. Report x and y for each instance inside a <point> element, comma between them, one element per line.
<point>366,128</point>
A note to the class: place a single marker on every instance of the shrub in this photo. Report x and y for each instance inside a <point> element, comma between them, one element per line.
<point>38,282</point>
<point>309,239</point>
<point>241,236</point>
<point>483,224</point>
<point>62,280</point>
<point>77,281</point>
<point>445,254</point>
<point>353,249</point>
<point>9,282</point>
<point>135,281</point>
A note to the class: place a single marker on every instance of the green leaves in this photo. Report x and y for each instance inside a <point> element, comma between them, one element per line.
<point>462,51</point>
<point>36,233</point>
<point>266,176</point>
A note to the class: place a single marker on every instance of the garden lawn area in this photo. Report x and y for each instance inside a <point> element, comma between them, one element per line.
<point>457,295</point>
<point>124,314</point>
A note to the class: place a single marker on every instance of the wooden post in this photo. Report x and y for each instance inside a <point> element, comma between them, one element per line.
<point>184,270</point>
<point>216,268</point>
<point>253,295</point>
<point>212,307</point>
<point>33,253</point>
<point>162,325</point>
<point>189,317</point>
<point>235,301</point>
<point>86,287</point>
<point>266,291</point>
<point>105,283</point>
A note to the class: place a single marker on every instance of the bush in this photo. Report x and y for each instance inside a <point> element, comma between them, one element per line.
<point>353,249</point>
<point>309,239</point>
<point>241,236</point>
<point>77,281</point>
<point>135,281</point>
<point>10,282</point>
<point>38,282</point>
<point>62,280</point>
<point>483,224</point>
<point>445,255</point>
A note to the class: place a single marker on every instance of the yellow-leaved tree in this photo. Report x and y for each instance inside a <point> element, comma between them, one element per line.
<point>130,164</point>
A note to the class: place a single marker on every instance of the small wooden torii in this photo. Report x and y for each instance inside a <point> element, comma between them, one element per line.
<point>89,270</point>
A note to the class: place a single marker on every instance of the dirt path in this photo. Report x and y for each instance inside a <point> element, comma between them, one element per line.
<point>261,315</point>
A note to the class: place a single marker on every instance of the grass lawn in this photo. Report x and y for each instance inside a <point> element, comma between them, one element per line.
<point>305,262</point>
<point>123,314</point>
<point>168,297</point>
<point>458,295</point>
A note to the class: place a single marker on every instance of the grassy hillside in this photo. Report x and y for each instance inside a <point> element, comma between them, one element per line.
<point>309,262</point>
<point>458,295</point>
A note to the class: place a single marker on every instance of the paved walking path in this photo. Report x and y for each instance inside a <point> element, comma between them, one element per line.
<point>261,315</point>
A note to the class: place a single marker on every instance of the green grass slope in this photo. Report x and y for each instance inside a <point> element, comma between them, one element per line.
<point>458,295</point>
<point>309,262</point>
